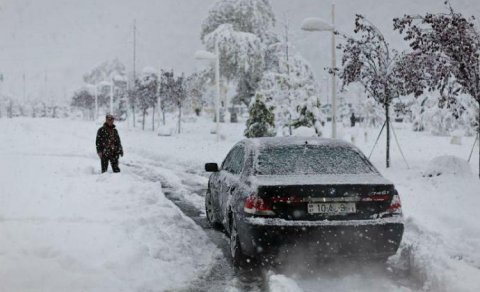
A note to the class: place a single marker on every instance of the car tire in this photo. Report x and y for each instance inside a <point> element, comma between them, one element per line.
<point>210,212</point>
<point>240,260</point>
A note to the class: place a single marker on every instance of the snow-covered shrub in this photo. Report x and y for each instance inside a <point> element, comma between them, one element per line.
<point>372,113</point>
<point>440,118</point>
<point>309,115</point>
<point>448,165</point>
<point>261,121</point>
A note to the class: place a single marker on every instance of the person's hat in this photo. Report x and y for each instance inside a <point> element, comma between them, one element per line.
<point>109,117</point>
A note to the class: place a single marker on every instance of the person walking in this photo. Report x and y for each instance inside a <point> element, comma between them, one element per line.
<point>109,146</point>
<point>353,120</point>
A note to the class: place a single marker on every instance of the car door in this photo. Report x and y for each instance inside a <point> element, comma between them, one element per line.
<point>232,176</point>
<point>221,181</point>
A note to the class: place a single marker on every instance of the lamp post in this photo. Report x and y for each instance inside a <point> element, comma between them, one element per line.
<point>316,24</point>
<point>204,55</point>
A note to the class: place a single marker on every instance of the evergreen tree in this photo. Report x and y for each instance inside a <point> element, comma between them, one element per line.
<point>261,120</point>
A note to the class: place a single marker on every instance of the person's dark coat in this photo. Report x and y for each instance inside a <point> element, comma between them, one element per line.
<point>353,120</point>
<point>108,142</point>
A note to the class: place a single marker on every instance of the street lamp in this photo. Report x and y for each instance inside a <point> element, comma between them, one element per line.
<point>316,24</point>
<point>204,55</point>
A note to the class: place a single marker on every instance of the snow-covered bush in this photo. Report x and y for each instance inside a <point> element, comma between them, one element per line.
<point>309,115</point>
<point>441,118</point>
<point>448,165</point>
<point>372,113</point>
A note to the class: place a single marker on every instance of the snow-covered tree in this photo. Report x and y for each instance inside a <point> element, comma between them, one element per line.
<point>289,84</point>
<point>105,75</point>
<point>241,53</point>
<point>448,44</point>
<point>243,30</point>
<point>179,95</point>
<point>195,85</point>
<point>371,61</point>
<point>250,16</point>
<point>167,81</point>
<point>261,120</point>
<point>83,100</point>
<point>173,91</point>
<point>147,87</point>
<point>106,71</point>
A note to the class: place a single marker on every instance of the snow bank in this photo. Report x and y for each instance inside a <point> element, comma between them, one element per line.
<point>448,165</point>
<point>65,227</point>
<point>281,283</point>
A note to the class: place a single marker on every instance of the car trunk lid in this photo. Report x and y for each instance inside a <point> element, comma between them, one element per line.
<point>326,197</point>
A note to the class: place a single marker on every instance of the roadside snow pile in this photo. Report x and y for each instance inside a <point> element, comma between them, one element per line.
<point>281,283</point>
<point>65,227</point>
<point>448,165</point>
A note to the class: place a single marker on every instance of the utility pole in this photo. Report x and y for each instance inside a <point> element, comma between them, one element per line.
<point>288,72</point>
<point>217,75</point>
<point>134,64</point>
<point>24,87</point>
<point>334,77</point>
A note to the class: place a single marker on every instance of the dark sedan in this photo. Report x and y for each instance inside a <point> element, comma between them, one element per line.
<point>320,197</point>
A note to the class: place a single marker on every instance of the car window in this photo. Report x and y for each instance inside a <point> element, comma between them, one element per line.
<point>239,160</point>
<point>227,163</point>
<point>311,159</point>
<point>235,160</point>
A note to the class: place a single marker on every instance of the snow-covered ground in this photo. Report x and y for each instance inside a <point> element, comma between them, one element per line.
<point>65,227</point>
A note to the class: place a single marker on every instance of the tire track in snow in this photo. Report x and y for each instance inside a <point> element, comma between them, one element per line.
<point>222,276</point>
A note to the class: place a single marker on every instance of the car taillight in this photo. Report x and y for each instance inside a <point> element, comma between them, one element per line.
<point>258,206</point>
<point>395,206</point>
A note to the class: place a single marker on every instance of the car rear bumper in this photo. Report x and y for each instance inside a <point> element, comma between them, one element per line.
<point>364,238</point>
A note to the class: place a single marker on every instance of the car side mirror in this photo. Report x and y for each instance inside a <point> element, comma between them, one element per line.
<point>211,167</point>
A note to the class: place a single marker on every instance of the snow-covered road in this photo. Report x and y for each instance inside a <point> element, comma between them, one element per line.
<point>65,227</point>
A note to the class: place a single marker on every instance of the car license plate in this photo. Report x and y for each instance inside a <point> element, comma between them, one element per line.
<point>331,208</point>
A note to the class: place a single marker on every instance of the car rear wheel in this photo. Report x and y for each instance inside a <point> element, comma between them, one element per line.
<point>238,257</point>
<point>210,211</point>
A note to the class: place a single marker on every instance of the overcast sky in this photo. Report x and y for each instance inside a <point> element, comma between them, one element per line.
<point>54,42</point>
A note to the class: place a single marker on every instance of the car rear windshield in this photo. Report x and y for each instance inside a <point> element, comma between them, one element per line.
<point>311,159</point>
